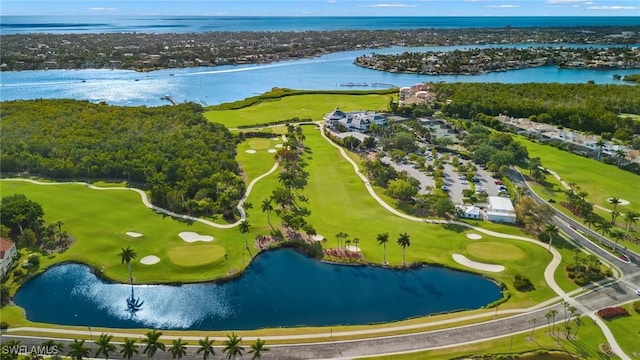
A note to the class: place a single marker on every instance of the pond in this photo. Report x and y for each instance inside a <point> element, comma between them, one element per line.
<point>281,288</point>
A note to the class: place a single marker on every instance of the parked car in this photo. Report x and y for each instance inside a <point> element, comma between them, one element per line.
<point>462,177</point>
<point>445,188</point>
<point>638,292</point>
<point>498,182</point>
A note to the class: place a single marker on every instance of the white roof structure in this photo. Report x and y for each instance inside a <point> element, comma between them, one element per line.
<point>500,204</point>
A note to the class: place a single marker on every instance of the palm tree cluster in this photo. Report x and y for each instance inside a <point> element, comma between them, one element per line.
<point>287,200</point>
<point>129,348</point>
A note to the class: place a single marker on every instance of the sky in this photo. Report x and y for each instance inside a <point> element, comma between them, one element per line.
<point>324,7</point>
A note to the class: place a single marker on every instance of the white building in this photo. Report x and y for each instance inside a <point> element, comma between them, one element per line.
<point>501,210</point>
<point>8,253</point>
<point>469,212</point>
<point>355,120</point>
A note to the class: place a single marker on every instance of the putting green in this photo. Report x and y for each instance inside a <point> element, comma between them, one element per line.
<point>195,254</point>
<point>259,144</point>
<point>494,251</point>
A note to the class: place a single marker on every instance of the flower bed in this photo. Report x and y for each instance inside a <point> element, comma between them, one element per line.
<point>611,312</point>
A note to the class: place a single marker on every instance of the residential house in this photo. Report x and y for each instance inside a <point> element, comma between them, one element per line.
<point>354,121</point>
<point>501,210</point>
<point>8,253</point>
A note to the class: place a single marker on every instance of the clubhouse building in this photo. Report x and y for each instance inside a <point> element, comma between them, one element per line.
<point>355,120</point>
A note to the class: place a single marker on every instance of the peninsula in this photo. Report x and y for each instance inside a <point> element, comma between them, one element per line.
<point>149,51</point>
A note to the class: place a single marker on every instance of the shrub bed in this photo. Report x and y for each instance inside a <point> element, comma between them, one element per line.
<point>611,312</point>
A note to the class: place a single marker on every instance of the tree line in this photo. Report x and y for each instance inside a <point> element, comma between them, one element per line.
<point>184,162</point>
<point>583,107</point>
<point>150,346</point>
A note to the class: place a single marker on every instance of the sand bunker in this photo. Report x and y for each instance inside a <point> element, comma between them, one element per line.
<point>462,260</point>
<point>278,145</point>
<point>272,151</point>
<point>623,202</point>
<point>190,236</point>
<point>150,260</point>
<point>250,151</point>
<point>474,236</point>
<point>134,234</point>
<point>274,139</point>
<point>317,237</point>
<point>353,248</point>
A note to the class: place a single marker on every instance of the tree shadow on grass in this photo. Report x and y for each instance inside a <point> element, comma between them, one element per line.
<point>455,228</point>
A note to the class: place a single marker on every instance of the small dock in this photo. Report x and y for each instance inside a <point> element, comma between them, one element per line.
<point>351,84</point>
<point>170,99</point>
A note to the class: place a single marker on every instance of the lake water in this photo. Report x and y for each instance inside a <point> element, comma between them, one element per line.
<point>215,85</point>
<point>281,288</point>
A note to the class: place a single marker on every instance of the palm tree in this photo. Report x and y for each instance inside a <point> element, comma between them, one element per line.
<point>591,219</point>
<point>533,327</point>
<point>615,201</point>
<point>383,239</point>
<point>600,144</point>
<point>340,236</point>
<point>551,230</point>
<point>51,344</point>
<point>78,350</point>
<point>226,259</point>
<point>356,241</point>
<point>127,255</point>
<point>153,343</point>
<point>577,322</point>
<point>267,207</point>
<point>244,229</point>
<point>178,349</point>
<point>404,241</point>
<point>257,348</point>
<point>206,348</point>
<point>603,226</point>
<point>630,218</point>
<point>616,234</point>
<point>128,349</point>
<point>620,155</point>
<point>12,348</point>
<point>232,346</point>
<point>104,345</point>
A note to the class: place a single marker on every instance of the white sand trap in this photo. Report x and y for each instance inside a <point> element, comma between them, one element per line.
<point>190,236</point>
<point>272,151</point>
<point>274,139</point>
<point>353,248</point>
<point>623,202</point>
<point>462,260</point>
<point>474,236</point>
<point>317,238</point>
<point>278,145</point>
<point>250,151</point>
<point>134,234</point>
<point>150,260</point>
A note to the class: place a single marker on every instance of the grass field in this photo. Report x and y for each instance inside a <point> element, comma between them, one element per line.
<point>309,106</point>
<point>195,254</point>
<point>626,329</point>
<point>600,180</point>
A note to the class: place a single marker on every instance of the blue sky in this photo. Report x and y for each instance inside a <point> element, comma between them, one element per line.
<point>324,7</point>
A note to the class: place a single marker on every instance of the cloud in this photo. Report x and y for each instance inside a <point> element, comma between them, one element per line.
<point>332,2</point>
<point>614,7</point>
<point>505,6</point>
<point>556,2</point>
<point>102,9</point>
<point>391,5</point>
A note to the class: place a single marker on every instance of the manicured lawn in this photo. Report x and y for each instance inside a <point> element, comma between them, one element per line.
<point>308,106</point>
<point>98,220</point>
<point>626,329</point>
<point>600,180</point>
<point>195,254</point>
<point>586,346</point>
<point>339,202</point>
<point>258,163</point>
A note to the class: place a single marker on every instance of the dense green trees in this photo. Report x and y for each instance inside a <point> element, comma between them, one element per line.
<point>187,164</point>
<point>582,107</point>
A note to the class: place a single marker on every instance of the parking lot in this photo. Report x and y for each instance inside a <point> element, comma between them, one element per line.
<point>454,184</point>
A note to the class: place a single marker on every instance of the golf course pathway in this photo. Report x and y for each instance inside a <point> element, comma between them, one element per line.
<point>147,203</point>
<point>548,272</point>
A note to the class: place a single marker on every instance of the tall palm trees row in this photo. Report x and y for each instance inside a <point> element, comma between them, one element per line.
<point>178,349</point>
<point>404,240</point>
